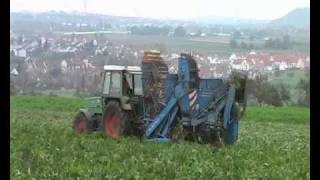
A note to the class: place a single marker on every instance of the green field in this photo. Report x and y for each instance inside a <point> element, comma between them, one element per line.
<point>176,44</point>
<point>203,45</point>
<point>274,144</point>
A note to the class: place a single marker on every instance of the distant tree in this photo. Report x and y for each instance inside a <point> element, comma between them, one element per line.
<point>243,45</point>
<point>277,72</point>
<point>107,26</point>
<point>150,30</point>
<point>271,95</point>
<point>252,37</point>
<point>258,87</point>
<point>268,43</point>
<point>284,94</point>
<point>304,89</point>
<point>165,30</point>
<point>250,87</point>
<point>46,45</point>
<point>276,43</point>
<point>73,37</point>
<point>199,32</point>
<point>233,43</point>
<point>236,34</point>
<point>263,91</point>
<point>251,46</point>
<point>179,31</point>
<point>20,39</point>
<point>56,72</point>
<point>286,42</point>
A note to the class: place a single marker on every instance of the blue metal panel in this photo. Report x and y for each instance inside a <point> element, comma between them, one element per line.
<point>204,99</point>
<point>183,100</point>
<point>183,70</point>
<point>233,131</point>
<point>160,118</point>
<point>212,117</point>
<point>170,84</point>
<point>208,84</point>
<point>206,91</point>
<point>233,127</point>
<point>171,121</point>
<point>228,106</point>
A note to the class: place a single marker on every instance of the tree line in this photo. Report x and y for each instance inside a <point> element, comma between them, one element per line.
<point>270,43</point>
<point>156,30</point>
<point>264,92</point>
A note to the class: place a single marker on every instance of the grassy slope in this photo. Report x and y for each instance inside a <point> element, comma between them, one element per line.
<point>274,143</point>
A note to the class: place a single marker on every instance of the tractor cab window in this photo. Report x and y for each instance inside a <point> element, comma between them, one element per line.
<point>127,84</point>
<point>106,84</point>
<point>137,84</point>
<point>115,83</point>
<point>128,79</point>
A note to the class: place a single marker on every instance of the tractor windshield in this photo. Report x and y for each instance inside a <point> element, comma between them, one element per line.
<point>106,84</point>
<point>137,84</point>
<point>115,83</point>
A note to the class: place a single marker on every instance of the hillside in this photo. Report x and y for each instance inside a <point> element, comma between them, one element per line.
<point>299,18</point>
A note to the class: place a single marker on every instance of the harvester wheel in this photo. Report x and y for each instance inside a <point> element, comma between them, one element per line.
<point>115,120</point>
<point>80,123</point>
<point>232,130</point>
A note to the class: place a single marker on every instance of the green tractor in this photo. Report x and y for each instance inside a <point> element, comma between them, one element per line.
<point>114,111</point>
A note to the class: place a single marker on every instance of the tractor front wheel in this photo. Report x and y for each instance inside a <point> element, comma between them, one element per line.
<point>80,123</point>
<point>115,120</point>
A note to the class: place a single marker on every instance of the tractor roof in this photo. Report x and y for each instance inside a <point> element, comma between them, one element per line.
<point>114,67</point>
<point>121,68</point>
<point>133,68</point>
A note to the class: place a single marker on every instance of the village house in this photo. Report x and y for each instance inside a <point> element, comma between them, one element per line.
<point>14,71</point>
<point>239,62</point>
<point>21,52</point>
<point>64,66</point>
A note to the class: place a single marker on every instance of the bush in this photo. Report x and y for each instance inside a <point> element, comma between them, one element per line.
<point>267,93</point>
<point>304,89</point>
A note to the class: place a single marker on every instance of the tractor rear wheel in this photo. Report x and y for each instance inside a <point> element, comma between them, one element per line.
<point>232,130</point>
<point>80,123</point>
<point>115,120</point>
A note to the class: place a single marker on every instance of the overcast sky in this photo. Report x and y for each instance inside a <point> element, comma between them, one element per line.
<point>177,9</point>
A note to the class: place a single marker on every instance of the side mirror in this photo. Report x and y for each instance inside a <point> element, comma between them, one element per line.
<point>101,74</point>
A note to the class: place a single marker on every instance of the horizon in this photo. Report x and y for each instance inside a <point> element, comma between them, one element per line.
<point>247,9</point>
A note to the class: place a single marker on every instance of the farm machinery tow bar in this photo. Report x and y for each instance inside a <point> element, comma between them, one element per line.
<point>148,101</point>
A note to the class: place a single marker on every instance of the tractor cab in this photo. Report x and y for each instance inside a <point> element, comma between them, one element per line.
<point>122,81</point>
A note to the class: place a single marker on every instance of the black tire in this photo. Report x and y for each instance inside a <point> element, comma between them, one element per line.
<point>80,124</point>
<point>115,121</point>
<point>232,130</point>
